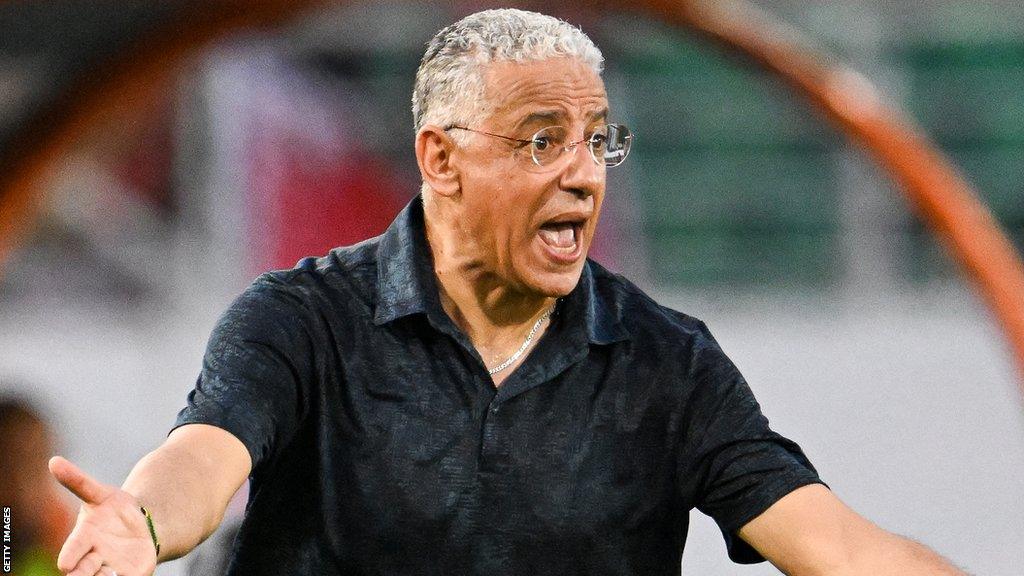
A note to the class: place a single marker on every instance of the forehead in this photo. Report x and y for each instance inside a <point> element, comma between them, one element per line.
<point>556,87</point>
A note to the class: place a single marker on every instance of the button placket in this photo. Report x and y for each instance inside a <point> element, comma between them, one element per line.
<point>492,445</point>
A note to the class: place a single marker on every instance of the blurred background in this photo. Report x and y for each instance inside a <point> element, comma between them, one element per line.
<point>274,138</point>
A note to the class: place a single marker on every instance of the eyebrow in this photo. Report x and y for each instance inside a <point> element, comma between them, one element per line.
<point>550,116</point>
<point>553,116</point>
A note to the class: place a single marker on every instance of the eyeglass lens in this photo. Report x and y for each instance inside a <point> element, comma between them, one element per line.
<point>608,145</point>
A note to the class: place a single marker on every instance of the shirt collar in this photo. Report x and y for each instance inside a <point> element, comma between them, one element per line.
<point>406,283</point>
<point>598,306</point>
<point>405,269</point>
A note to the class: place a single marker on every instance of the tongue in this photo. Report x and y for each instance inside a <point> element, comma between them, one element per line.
<point>559,235</point>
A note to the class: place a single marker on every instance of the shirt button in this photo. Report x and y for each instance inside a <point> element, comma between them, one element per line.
<point>494,410</point>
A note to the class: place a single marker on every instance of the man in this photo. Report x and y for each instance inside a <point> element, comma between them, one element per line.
<point>467,393</point>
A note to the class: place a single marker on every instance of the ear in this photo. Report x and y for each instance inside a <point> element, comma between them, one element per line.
<point>434,155</point>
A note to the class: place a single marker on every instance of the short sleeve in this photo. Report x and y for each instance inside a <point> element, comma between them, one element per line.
<point>733,466</point>
<point>256,371</point>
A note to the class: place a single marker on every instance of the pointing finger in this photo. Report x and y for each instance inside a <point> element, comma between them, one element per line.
<point>79,483</point>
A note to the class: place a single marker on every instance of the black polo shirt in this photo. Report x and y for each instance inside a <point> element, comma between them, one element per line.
<point>380,446</point>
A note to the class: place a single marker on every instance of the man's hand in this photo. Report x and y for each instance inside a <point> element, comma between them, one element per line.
<point>110,536</point>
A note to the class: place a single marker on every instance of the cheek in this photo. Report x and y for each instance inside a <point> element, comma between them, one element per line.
<point>506,201</point>
<point>496,219</point>
<point>514,221</point>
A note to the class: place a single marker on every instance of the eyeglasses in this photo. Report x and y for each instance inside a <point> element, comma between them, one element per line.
<point>608,144</point>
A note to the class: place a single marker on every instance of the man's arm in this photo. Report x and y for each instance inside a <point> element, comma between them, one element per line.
<point>185,484</point>
<point>810,532</point>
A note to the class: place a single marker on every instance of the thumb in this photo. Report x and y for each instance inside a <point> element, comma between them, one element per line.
<point>87,488</point>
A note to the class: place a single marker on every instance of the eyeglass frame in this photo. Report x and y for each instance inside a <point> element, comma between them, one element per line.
<point>571,146</point>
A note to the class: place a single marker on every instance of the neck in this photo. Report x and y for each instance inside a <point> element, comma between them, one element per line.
<point>492,313</point>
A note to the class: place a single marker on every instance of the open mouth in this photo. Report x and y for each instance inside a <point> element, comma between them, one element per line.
<point>561,236</point>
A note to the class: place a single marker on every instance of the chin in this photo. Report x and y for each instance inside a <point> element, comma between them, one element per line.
<point>555,284</point>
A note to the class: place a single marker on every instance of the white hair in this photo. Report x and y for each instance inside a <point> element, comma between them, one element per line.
<point>449,85</point>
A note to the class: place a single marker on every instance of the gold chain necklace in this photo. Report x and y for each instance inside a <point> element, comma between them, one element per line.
<point>533,332</point>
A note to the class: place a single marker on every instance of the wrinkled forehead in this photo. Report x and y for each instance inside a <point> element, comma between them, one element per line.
<point>552,91</point>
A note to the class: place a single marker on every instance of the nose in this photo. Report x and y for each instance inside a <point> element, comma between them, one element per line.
<point>581,174</point>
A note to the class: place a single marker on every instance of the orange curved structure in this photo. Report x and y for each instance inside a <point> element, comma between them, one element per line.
<point>941,196</point>
<point>130,82</point>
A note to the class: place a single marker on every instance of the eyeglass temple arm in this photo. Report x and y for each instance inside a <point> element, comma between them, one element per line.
<point>520,140</point>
